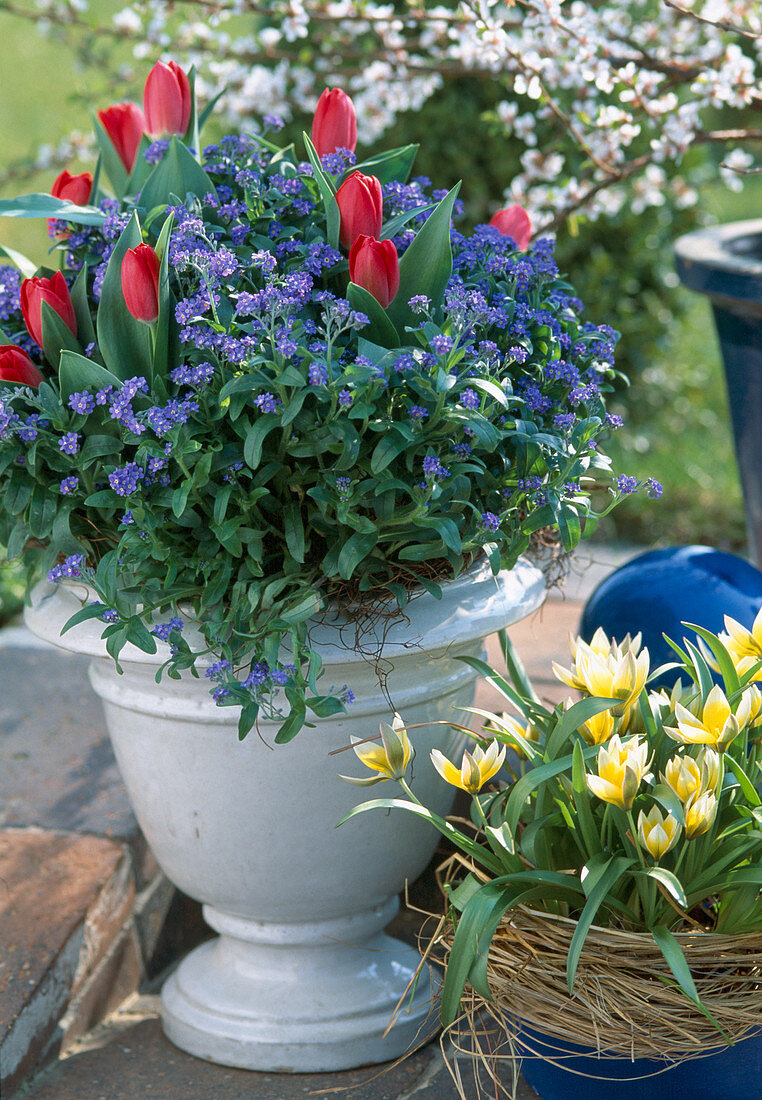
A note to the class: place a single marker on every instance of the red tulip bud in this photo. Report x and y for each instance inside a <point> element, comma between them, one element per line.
<point>16,366</point>
<point>335,123</point>
<point>140,283</point>
<point>55,292</point>
<point>125,126</point>
<point>74,189</point>
<point>374,265</point>
<point>167,100</point>
<point>514,222</point>
<point>361,206</point>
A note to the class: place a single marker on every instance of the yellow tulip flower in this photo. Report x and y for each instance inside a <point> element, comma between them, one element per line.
<point>622,766</point>
<point>598,729</point>
<point>614,676</point>
<point>600,649</point>
<point>716,724</point>
<point>744,646</point>
<point>657,833</point>
<point>477,767</point>
<point>683,775</point>
<point>709,762</point>
<point>390,759</point>
<point>700,812</point>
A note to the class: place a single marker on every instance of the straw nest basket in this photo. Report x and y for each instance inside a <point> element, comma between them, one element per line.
<point>625,1003</point>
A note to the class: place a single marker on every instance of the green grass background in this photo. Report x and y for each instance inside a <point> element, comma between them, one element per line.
<point>676,419</point>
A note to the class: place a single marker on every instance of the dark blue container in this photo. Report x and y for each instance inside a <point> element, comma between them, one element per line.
<point>734,1073</point>
<point>658,591</point>
<point>725,263</point>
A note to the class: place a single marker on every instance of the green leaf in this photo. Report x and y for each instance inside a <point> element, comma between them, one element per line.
<point>177,174</point>
<point>355,549</point>
<point>125,343</point>
<point>77,373</point>
<point>380,329</point>
<point>327,193</point>
<point>670,882</point>
<point>326,705</point>
<point>675,960</point>
<point>721,655</point>
<point>426,266</point>
<point>480,917</point>
<point>138,634</point>
<point>573,718</point>
<point>394,164</point>
<point>56,336</point>
<point>163,360</point>
<point>40,205</point>
<point>750,793</point>
<point>255,437</point>
<point>590,832</point>
<point>292,724</point>
<point>615,869</point>
<point>25,266</point>
<point>61,537</point>
<point>399,221</point>
<point>79,299</point>
<point>81,616</point>
<point>294,530</point>
<point>303,610</point>
<point>110,160</point>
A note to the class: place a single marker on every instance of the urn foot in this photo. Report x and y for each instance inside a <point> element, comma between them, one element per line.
<point>300,998</point>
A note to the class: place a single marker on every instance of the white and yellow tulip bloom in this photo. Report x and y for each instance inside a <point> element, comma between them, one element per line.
<point>700,813</point>
<point>743,645</point>
<point>598,729</point>
<point>615,676</point>
<point>622,766</point>
<point>390,759</point>
<point>715,725</point>
<point>657,832</point>
<point>709,762</point>
<point>477,767</point>
<point>683,775</point>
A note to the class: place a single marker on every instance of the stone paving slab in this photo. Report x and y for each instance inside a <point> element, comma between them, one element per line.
<point>62,900</point>
<point>129,1057</point>
<point>57,768</point>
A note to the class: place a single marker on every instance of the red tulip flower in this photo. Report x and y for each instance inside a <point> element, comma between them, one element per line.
<point>16,366</point>
<point>335,123</point>
<point>140,283</point>
<point>374,265</point>
<point>361,206</point>
<point>514,222</point>
<point>167,100</point>
<point>55,292</point>
<point>125,126</point>
<point>74,189</point>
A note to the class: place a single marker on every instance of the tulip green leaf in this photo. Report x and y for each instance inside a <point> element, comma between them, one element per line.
<point>675,959</point>
<point>165,341</point>
<point>85,328</point>
<point>110,160</point>
<point>76,373</point>
<point>327,193</point>
<point>399,221</point>
<point>426,266</point>
<point>573,718</point>
<point>125,343</point>
<point>39,205</point>
<point>25,266</point>
<point>721,655</point>
<point>380,329</point>
<point>596,898</point>
<point>395,164</point>
<point>141,169</point>
<point>177,174</point>
<point>56,336</point>
<point>670,882</point>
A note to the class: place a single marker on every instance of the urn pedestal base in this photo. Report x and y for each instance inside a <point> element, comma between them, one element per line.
<point>300,998</point>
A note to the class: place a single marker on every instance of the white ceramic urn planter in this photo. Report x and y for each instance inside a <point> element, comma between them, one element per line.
<point>301,976</point>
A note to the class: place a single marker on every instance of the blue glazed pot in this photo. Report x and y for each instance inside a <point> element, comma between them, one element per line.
<point>732,1074</point>
<point>725,263</point>
<point>657,591</point>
